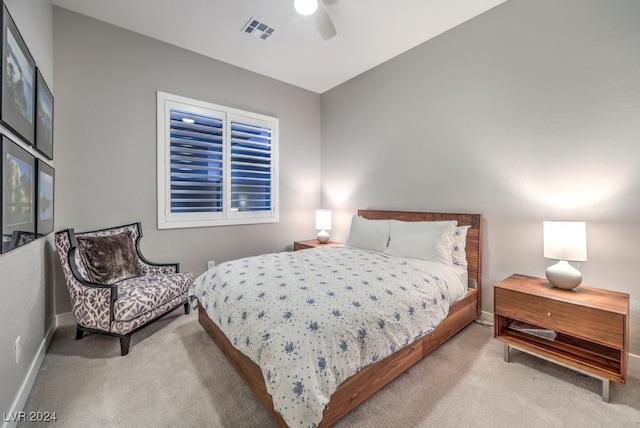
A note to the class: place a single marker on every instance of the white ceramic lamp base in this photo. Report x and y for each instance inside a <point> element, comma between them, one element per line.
<point>323,237</point>
<point>563,275</point>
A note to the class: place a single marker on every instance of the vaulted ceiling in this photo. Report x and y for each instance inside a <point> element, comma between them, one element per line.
<point>369,32</point>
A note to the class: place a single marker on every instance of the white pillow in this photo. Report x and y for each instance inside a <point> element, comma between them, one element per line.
<point>459,246</point>
<point>425,240</point>
<point>368,234</point>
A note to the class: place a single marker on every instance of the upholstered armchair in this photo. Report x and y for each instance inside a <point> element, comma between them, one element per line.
<point>114,290</point>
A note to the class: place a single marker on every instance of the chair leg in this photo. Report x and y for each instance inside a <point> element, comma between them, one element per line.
<point>187,308</point>
<point>125,341</point>
<point>79,333</point>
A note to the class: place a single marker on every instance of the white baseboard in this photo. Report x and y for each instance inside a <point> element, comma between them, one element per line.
<point>48,337</point>
<point>486,317</point>
<point>65,319</point>
<point>632,364</point>
<point>27,384</point>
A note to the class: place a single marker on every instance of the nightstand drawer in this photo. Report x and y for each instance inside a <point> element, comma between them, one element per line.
<point>606,328</point>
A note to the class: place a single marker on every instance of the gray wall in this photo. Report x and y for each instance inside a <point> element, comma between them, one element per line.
<point>27,303</point>
<point>106,83</point>
<point>529,112</point>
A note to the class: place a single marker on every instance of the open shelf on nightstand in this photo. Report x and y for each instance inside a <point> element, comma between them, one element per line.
<point>572,351</point>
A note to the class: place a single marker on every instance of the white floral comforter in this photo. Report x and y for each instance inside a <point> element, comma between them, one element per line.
<point>312,318</point>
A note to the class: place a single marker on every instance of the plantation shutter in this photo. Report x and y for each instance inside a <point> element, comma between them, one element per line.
<point>251,167</point>
<point>196,163</point>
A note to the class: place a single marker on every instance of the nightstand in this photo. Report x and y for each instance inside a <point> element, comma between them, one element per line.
<point>592,326</point>
<point>312,243</point>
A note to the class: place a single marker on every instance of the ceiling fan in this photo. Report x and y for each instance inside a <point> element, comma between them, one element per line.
<point>315,8</point>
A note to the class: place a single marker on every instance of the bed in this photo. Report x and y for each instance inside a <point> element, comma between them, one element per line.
<point>376,367</point>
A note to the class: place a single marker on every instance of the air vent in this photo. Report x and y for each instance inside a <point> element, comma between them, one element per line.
<point>258,29</point>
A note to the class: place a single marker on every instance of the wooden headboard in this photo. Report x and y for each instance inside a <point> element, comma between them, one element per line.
<point>474,235</point>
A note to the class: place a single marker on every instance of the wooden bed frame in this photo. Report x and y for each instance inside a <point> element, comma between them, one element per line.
<point>370,379</point>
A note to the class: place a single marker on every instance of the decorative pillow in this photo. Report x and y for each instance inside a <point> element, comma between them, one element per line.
<point>425,240</point>
<point>459,246</point>
<point>109,259</point>
<point>368,234</point>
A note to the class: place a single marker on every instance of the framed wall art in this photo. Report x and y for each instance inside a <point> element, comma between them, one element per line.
<point>17,110</point>
<point>44,203</point>
<point>44,117</point>
<point>18,191</point>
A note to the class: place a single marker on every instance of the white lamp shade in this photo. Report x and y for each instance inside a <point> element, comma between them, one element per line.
<point>565,240</point>
<point>323,219</point>
<point>305,7</point>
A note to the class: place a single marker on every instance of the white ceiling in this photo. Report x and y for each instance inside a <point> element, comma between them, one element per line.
<point>369,32</point>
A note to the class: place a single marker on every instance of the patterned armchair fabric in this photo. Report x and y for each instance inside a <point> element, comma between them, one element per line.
<point>122,308</point>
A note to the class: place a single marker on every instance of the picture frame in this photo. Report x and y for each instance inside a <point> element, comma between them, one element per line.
<point>18,74</point>
<point>44,117</point>
<point>17,169</point>
<point>45,198</point>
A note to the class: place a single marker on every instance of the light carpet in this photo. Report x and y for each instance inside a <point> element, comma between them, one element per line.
<point>175,376</point>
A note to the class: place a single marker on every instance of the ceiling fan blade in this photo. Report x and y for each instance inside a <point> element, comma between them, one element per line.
<point>324,24</point>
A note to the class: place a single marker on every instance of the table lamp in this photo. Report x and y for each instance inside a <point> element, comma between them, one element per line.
<point>323,222</point>
<point>565,241</point>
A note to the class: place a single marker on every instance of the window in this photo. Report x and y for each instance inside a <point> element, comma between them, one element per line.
<point>216,165</point>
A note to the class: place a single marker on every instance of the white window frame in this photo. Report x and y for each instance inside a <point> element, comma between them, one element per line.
<point>171,220</point>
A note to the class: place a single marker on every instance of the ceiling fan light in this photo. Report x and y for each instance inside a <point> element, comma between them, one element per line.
<point>305,7</point>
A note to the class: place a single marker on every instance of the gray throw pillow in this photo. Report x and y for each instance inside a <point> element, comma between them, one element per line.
<point>109,259</point>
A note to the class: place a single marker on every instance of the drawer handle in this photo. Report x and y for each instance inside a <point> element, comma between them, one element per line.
<point>548,314</point>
